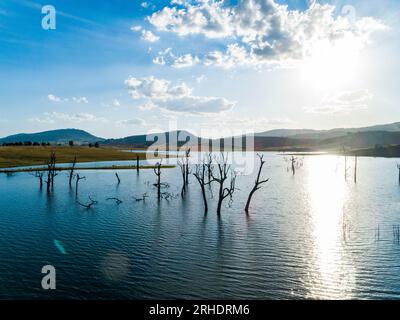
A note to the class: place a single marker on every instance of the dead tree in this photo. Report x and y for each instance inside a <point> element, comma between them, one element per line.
<point>51,171</point>
<point>143,198</point>
<point>39,174</point>
<point>78,178</point>
<point>293,161</point>
<point>71,172</point>
<point>88,205</point>
<point>187,155</point>
<point>118,179</point>
<point>117,201</point>
<point>137,164</point>
<point>355,168</point>
<point>200,175</point>
<point>182,166</point>
<point>224,173</point>
<point>185,171</point>
<point>208,165</point>
<point>157,171</point>
<point>398,168</point>
<point>257,184</point>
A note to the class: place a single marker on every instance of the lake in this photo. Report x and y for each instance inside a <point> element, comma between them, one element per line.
<point>308,236</point>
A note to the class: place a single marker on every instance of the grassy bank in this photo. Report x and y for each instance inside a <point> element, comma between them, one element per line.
<point>28,156</point>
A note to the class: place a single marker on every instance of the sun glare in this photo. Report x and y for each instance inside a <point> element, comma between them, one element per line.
<point>331,66</point>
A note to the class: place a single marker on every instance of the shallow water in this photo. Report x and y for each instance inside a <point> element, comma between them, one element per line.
<point>312,235</point>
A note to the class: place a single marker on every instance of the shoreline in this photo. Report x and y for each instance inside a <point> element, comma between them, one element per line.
<point>23,170</point>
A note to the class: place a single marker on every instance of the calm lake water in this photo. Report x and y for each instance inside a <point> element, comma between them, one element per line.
<point>312,235</point>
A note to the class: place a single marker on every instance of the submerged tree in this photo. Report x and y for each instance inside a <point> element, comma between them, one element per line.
<point>39,174</point>
<point>118,178</point>
<point>209,167</point>
<point>71,172</point>
<point>185,171</point>
<point>51,171</point>
<point>78,178</point>
<point>355,168</point>
<point>157,171</point>
<point>89,204</point>
<point>257,184</point>
<point>224,173</point>
<point>293,161</point>
<point>398,168</point>
<point>346,168</point>
<point>200,175</point>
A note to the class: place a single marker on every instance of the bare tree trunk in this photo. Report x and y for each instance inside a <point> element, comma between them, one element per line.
<point>157,171</point>
<point>293,160</point>
<point>137,164</point>
<point>257,184</point>
<point>78,178</point>
<point>224,192</point>
<point>187,155</point>
<point>200,175</point>
<point>118,179</point>
<point>182,166</point>
<point>51,171</point>
<point>71,172</point>
<point>355,168</point>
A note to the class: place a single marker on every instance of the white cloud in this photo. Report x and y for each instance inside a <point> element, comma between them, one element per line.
<point>136,28</point>
<point>168,57</point>
<point>149,36</point>
<point>116,103</point>
<point>185,61</point>
<point>54,98</point>
<point>161,93</point>
<point>80,100</point>
<point>201,78</point>
<point>132,122</point>
<point>262,31</point>
<point>342,103</point>
<point>53,117</point>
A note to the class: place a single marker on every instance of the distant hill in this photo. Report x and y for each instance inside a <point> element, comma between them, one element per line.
<point>282,139</point>
<point>327,134</point>
<point>361,140</point>
<point>162,138</point>
<point>54,136</point>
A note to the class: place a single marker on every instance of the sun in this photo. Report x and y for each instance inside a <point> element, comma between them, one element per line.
<point>332,64</point>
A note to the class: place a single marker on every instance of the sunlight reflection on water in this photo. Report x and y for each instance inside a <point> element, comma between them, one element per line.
<point>334,275</point>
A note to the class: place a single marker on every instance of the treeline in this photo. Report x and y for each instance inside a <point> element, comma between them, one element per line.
<point>25,143</point>
<point>44,144</point>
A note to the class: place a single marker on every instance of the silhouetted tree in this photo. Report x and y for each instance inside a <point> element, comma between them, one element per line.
<point>398,168</point>
<point>200,175</point>
<point>51,171</point>
<point>157,171</point>
<point>71,172</point>
<point>78,178</point>
<point>39,174</point>
<point>355,168</point>
<point>118,179</point>
<point>257,184</point>
<point>224,173</point>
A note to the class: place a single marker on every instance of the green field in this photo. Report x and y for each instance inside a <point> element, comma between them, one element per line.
<point>27,156</point>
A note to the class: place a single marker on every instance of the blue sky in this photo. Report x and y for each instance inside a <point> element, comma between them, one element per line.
<point>110,69</point>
